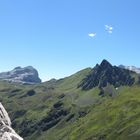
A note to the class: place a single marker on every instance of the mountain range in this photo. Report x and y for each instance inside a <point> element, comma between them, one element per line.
<point>29,75</point>
<point>99,103</point>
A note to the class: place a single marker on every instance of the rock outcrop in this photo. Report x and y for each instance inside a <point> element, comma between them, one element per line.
<point>6,131</point>
<point>104,74</point>
<point>26,75</point>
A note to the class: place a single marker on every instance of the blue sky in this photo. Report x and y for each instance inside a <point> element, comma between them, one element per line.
<point>52,35</point>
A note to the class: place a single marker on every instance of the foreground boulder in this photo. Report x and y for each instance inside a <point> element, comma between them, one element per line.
<point>26,75</point>
<point>6,132</point>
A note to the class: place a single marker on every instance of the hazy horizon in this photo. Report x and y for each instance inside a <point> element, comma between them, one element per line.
<point>45,79</point>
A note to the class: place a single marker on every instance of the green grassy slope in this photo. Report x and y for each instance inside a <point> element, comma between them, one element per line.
<point>114,118</point>
<point>58,110</point>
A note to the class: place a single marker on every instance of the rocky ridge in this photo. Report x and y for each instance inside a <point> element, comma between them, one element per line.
<point>104,74</point>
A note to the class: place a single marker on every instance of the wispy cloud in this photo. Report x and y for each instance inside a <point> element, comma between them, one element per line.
<point>92,35</point>
<point>109,28</point>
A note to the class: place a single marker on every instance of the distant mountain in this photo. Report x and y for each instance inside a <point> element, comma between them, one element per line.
<point>131,68</point>
<point>26,75</point>
<point>105,73</point>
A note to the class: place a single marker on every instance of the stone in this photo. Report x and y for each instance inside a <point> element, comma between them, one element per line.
<point>6,131</point>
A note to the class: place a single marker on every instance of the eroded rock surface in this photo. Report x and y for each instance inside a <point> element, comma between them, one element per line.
<point>6,131</point>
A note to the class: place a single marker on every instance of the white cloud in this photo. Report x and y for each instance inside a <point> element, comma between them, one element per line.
<point>109,28</point>
<point>110,31</point>
<point>92,35</point>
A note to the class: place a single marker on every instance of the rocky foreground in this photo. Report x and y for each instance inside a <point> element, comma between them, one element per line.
<point>6,132</point>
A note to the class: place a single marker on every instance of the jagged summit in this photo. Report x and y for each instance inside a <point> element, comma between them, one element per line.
<point>26,75</point>
<point>105,73</point>
<point>105,64</point>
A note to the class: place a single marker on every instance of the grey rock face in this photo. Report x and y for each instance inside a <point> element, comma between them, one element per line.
<point>27,75</point>
<point>6,132</point>
<point>131,68</point>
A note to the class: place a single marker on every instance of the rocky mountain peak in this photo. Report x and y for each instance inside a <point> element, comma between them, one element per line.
<point>26,75</point>
<point>105,73</point>
<point>105,64</point>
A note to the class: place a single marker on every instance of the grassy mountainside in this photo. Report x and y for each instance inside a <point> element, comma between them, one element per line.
<point>59,110</point>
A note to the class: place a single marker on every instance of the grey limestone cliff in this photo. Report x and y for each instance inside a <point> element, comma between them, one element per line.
<point>26,75</point>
